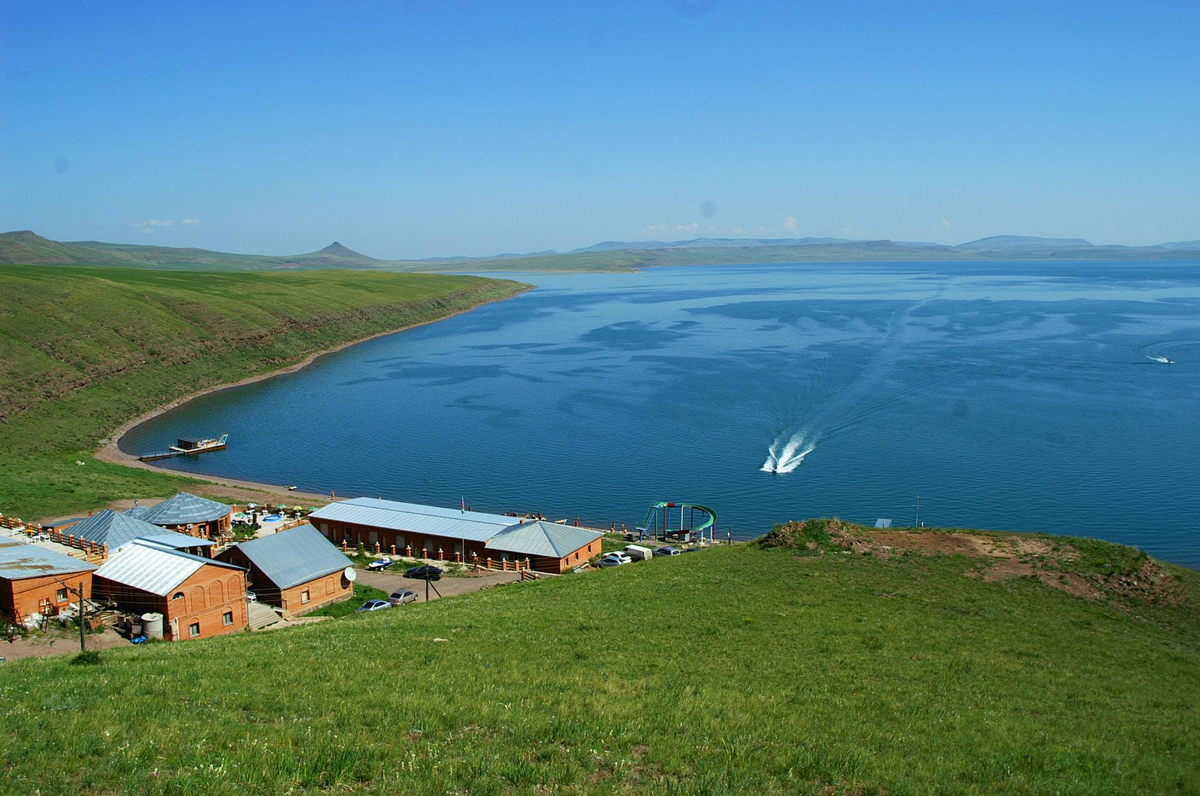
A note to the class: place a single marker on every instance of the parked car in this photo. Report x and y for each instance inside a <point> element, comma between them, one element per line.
<point>372,605</point>
<point>667,551</point>
<point>251,597</point>
<point>402,596</point>
<point>380,564</point>
<point>614,560</point>
<point>425,572</point>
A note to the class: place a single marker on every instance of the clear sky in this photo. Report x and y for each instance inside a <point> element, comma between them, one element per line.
<point>441,128</point>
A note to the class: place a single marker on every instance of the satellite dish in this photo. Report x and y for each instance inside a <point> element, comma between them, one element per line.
<point>349,574</point>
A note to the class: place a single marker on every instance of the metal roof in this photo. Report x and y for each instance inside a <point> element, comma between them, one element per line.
<point>113,529</point>
<point>137,511</point>
<point>882,523</point>
<point>294,556</point>
<point>414,518</point>
<point>177,541</point>
<point>23,560</point>
<point>541,538</point>
<point>149,567</point>
<point>185,508</point>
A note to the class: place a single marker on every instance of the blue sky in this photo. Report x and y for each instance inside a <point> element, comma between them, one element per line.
<point>427,129</point>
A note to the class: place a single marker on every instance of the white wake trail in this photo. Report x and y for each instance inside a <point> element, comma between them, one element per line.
<point>790,457</point>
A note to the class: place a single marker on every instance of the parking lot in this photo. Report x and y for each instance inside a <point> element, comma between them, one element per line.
<point>393,579</point>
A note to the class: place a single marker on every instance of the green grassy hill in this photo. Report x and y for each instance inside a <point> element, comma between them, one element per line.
<point>83,350</point>
<point>748,669</point>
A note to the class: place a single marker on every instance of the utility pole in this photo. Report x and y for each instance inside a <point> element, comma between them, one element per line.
<point>917,519</point>
<point>82,632</point>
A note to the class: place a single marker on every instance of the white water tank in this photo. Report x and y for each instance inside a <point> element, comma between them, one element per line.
<point>152,625</point>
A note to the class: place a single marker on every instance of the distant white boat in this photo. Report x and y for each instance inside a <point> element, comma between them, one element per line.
<point>1160,359</point>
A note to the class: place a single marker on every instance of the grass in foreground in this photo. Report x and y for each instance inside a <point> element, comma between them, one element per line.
<point>769,672</point>
<point>83,350</point>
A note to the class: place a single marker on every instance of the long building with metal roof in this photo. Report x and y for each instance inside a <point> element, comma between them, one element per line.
<point>436,532</point>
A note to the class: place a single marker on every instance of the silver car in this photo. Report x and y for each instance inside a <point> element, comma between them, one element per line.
<point>402,596</point>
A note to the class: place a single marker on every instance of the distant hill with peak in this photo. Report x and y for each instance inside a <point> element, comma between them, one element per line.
<point>27,247</point>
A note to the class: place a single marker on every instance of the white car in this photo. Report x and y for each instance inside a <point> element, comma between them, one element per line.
<point>614,560</point>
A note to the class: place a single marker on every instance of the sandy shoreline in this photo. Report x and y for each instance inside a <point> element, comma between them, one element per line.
<point>111,452</point>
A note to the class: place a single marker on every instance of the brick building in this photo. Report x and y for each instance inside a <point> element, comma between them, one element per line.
<point>198,597</point>
<point>435,532</point>
<point>36,582</point>
<point>190,514</point>
<point>298,570</point>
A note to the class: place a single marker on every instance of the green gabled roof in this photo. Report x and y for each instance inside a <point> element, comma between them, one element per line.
<point>541,538</point>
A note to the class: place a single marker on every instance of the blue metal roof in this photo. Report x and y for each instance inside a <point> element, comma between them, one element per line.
<point>881,523</point>
<point>415,518</point>
<point>185,508</point>
<point>541,538</point>
<point>294,556</point>
<point>112,529</point>
<point>149,567</point>
<point>23,560</point>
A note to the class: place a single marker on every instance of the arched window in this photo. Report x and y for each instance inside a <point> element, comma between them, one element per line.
<point>198,598</point>
<point>177,595</point>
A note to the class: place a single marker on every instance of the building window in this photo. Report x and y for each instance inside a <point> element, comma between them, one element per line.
<point>177,595</point>
<point>61,595</point>
<point>227,618</point>
<point>304,596</point>
<point>194,629</point>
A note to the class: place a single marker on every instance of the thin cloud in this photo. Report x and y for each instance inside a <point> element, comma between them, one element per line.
<point>789,223</point>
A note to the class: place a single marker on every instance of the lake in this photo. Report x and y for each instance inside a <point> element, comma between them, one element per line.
<point>1016,396</point>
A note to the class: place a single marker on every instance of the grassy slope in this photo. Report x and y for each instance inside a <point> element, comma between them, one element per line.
<point>738,669</point>
<point>83,350</point>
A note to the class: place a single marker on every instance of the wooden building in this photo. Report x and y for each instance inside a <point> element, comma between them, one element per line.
<point>36,582</point>
<point>298,570</point>
<point>439,533</point>
<point>198,597</point>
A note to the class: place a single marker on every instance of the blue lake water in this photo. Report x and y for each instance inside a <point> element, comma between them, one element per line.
<point>1014,396</point>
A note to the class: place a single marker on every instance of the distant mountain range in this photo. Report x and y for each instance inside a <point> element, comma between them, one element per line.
<point>30,248</point>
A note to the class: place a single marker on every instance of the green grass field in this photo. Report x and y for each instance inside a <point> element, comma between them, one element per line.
<point>736,670</point>
<point>83,350</point>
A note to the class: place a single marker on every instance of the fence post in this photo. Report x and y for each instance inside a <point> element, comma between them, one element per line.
<point>393,549</point>
<point>489,562</point>
<point>106,551</point>
<point>424,553</point>
<point>457,557</point>
<point>408,551</point>
<point>377,548</point>
<point>441,555</point>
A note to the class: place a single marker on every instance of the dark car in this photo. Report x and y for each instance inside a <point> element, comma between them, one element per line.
<point>380,564</point>
<point>667,551</point>
<point>425,572</point>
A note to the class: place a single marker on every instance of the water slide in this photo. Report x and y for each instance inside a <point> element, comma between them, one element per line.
<point>676,518</point>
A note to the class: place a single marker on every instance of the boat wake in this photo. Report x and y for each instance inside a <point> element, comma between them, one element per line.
<point>789,457</point>
<point>1159,358</point>
<point>848,403</point>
